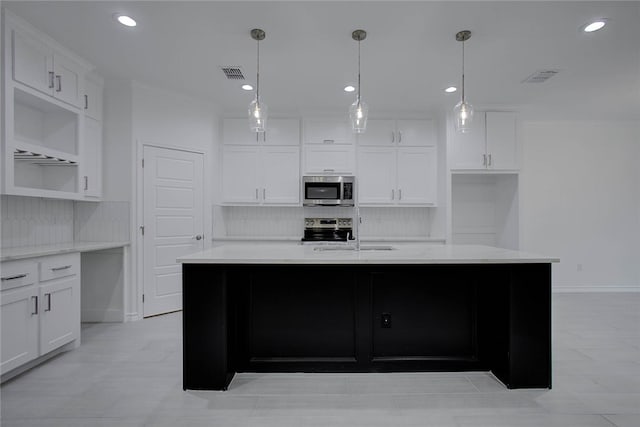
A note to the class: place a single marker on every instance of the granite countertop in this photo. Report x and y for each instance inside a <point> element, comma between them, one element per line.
<point>24,252</point>
<point>401,253</point>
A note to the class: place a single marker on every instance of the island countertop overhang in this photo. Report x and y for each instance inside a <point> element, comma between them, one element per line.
<point>404,253</point>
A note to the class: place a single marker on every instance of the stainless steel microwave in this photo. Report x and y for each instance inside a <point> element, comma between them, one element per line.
<point>328,190</point>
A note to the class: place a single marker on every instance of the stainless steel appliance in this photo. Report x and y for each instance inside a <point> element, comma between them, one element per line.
<point>327,230</point>
<point>328,190</point>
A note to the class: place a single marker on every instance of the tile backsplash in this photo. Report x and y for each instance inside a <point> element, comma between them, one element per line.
<point>288,222</point>
<point>31,221</point>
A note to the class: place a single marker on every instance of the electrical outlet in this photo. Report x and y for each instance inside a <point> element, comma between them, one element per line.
<point>385,320</point>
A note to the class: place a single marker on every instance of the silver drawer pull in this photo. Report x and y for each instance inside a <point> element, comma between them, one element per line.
<point>64,267</point>
<point>35,305</point>
<point>328,170</point>
<point>19,276</point>
<point>328,141</point>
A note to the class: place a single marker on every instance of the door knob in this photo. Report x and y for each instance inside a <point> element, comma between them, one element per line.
<point>198,237</point>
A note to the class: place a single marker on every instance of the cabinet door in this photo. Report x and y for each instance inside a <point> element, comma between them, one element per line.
<point>69,81</point>
<point>416,133</point>
<point>92,158</point>
<point>417,176</point>
<point>93,100</point>
<point>502,144</point>
<point>59,313</point>
<point>280,175</point>
<point>32,62</point>
<point>468,150</point>
<point>240,175</point>
<point>329,158</point>
<point>281,132</point>
<point>19,320</point>
<point>237,132</point>
<point>379,132</point>
<point>376,175</point>
<point>327,131</point>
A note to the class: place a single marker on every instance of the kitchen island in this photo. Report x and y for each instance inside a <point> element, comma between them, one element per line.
<point>414,307</point>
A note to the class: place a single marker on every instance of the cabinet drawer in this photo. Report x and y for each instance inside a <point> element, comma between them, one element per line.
<point>57,266</point>
<point>18,273</point>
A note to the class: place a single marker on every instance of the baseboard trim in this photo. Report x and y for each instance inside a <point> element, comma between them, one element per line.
<point>565,289</point>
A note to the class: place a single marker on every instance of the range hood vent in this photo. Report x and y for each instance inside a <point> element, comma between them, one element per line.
<point>233,72</point>
<point>540,76</point>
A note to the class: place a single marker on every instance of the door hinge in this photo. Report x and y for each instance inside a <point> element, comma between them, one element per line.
<point>142,162</point>
<point>142,229</point>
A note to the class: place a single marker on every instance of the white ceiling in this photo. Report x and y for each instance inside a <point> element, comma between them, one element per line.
<point>409,57</point>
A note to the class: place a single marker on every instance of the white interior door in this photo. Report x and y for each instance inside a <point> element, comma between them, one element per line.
<point>173,223</point>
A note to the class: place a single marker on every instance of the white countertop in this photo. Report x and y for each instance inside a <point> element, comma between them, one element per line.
<point>63,248</point>
<point>402,253</point>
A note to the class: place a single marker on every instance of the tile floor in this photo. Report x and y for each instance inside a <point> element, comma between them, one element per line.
<point>129,375</point>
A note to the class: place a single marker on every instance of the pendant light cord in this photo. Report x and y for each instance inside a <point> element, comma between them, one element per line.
<point>358,73</point>
<point>258,76</point>
<point>463,72</point>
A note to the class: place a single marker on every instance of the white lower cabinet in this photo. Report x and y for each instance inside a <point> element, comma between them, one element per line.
<point>40,308</point>
<point>397,176</point>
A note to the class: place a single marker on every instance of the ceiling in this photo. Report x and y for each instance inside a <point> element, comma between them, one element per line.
<point>408,58</point>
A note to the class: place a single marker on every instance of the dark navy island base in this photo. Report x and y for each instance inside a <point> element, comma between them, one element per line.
<point>366,318</point>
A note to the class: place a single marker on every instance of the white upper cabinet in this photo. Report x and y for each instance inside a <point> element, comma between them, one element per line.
<point>268,175</point>
<point>279,132</point>
<point>396,133</point>
<point>92,159</point>
<point>490,144</point>
<point>92,102</point>
<point>328,159</point>
<point>327,131</point>
<point>397,176</point>
<point>41,67</point>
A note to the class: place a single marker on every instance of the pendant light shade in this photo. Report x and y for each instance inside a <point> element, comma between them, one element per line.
<point>463,111</point>
<point>257,109</point>
<point>359,110</point>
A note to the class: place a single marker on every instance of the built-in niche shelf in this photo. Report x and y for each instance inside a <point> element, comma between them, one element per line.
<point>485,209</point>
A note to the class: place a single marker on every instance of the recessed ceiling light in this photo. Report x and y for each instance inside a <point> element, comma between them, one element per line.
<point>126,20</point>
<point>451,89</point>
<point>349,88</point>
<point>246,87</point>
<point>594,26</point>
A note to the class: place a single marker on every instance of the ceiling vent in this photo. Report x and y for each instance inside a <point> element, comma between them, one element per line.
<point>540,76</point>
<point>233,72</point>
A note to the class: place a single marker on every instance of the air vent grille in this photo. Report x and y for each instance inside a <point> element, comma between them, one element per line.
<point>540,76</point>
<point>233,72</point>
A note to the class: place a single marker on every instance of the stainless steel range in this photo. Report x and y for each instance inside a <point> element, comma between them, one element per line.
<point>327,230</point>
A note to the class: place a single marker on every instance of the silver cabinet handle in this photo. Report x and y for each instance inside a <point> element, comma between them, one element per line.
<point>328,170</point>
<point>59,80</point>
<point>489,159</point>
<point>484,160</point>
<point>264,136</point>
<point>64,267</point>
<point>19,276</point>
<point>198,237</point>
<point>86,101</point>
<point>35,305</point>
<point>86,182</point>
<point>328,141</point>
<point>256,194</point>
<point>50,79</point>
<point>400,194</point>
<point>264,193</point>
<point>399,136</point>
<point>393,194</point>
<point>48,296</point>
<point>393,137</point>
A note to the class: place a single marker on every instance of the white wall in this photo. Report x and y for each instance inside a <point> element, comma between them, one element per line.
<point>117,145</point>
<point>580,202</point>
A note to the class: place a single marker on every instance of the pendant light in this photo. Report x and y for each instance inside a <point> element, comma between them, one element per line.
<point>257,109</point>
<point>359,110</point>
<point>463,111</point>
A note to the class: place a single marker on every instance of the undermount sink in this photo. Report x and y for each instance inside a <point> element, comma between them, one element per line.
<point>353,248</point>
